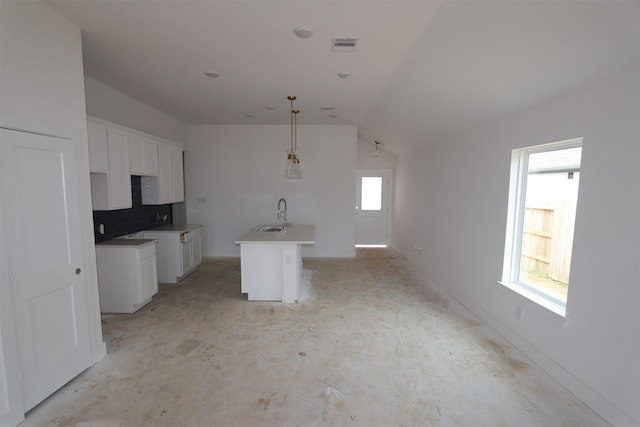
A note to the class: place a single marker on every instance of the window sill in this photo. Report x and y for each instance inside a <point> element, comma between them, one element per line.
<point>555,313</point>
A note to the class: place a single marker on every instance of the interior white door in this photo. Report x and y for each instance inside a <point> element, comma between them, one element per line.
<point>372,206</point>
<point>40,201</point>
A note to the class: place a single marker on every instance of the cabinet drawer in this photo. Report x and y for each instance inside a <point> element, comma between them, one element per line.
<point>145,252</point>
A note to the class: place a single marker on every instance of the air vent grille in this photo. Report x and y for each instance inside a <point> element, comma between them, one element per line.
<point>344,44</point>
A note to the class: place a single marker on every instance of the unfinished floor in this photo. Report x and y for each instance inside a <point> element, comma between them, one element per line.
<point>369,344</point>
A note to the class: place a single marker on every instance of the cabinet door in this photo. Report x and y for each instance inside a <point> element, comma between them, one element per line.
<point>98,157</point>
<point>197,250</point>
<point>164,173</point>
<point>144,156</point>
<point>40,198</point>
<point>147,278</point>
<point>150,157</point>
<point>177,175</point>
<point>186,257</point>
<point>119,174</point>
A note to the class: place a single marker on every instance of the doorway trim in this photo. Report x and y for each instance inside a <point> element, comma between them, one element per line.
<point>365,229</point>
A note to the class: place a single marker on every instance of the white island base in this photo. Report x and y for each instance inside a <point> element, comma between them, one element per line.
<point>271,263</point>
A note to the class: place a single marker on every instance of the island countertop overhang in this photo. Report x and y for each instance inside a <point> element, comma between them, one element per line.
<point>301,234</point>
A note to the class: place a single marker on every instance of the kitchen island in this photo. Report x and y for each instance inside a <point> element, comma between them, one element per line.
<point>271,262</point>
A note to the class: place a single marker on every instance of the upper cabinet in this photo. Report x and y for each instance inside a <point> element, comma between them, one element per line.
<point>98,157</point>
<point>144,155</point>
<point>168,186</point>
<point>177,174</point>
<point>110,188</point>
<point>116,153</point>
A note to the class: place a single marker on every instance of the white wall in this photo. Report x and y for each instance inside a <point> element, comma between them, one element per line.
<point>233,180</point>
<point>451,199</point>
<point>108,104</point>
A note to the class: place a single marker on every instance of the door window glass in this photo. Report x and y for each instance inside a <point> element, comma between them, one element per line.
<point>371,199</point>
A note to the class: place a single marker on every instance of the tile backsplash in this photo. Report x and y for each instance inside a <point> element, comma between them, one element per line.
<point>126,221</point>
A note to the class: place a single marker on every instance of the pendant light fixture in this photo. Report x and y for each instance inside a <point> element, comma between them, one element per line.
<point>376,150</point>
<point>293,169</point>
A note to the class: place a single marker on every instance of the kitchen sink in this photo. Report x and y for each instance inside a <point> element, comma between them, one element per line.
<point>271,228</point>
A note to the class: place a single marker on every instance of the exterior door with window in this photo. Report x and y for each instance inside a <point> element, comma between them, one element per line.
<point>372,206</point>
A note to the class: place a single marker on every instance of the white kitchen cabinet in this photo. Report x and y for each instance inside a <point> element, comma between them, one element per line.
<point>116,153</point>
<point>179,250</point>
<point>144,155</point>
<point>110,190</point>
<point>197,248</point>
<point>168,186</point>
<point>190,250</point>
<point>177,174</point>
<point>98,157</point>
<point>127,274</point>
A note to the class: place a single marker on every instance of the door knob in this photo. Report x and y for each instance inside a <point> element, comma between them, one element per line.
<point>78,271</point>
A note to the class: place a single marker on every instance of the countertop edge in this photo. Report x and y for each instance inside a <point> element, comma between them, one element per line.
<point>300,234</point>
<point>174,228</point>
<point>126,243</point>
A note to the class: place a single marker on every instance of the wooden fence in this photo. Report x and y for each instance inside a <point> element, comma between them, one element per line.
<point>548,239</point>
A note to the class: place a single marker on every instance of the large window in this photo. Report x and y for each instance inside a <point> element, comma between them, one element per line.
<point>542,210</point>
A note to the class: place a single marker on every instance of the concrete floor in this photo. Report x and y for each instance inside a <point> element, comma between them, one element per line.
<point>368,345</point>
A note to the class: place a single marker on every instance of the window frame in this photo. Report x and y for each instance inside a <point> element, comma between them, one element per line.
<point>515,225</point>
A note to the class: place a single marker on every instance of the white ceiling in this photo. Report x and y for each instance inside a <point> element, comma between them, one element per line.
<point>421,70</point>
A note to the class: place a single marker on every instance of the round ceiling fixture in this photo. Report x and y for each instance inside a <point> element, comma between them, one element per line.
<point>212,74</point>
<point>303,32</point>
<point>344,74</point>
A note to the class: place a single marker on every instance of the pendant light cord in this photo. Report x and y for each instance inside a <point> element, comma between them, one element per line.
<point>295,131</point>
<point>294,135</point>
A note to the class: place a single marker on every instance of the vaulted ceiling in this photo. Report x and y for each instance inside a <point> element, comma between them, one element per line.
<point>421,70</point>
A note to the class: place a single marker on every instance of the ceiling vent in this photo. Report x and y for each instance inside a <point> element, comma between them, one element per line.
<point>344,44</point>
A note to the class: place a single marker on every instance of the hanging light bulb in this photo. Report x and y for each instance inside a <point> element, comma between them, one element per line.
<point>293,169</point>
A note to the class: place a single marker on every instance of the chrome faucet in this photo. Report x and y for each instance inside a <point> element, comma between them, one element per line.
<point>282,213</point>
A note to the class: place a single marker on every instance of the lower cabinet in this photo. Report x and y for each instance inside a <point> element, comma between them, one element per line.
<point>179,251</point>
<point>127,274</point>
<point>190,251</point>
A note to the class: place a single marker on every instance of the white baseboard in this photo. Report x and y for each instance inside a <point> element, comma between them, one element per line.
<point>608,411</point>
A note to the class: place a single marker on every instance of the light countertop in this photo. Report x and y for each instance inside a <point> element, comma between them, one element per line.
<point>127,242</point>
<point>301,234</point>
<point>175,228</point>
